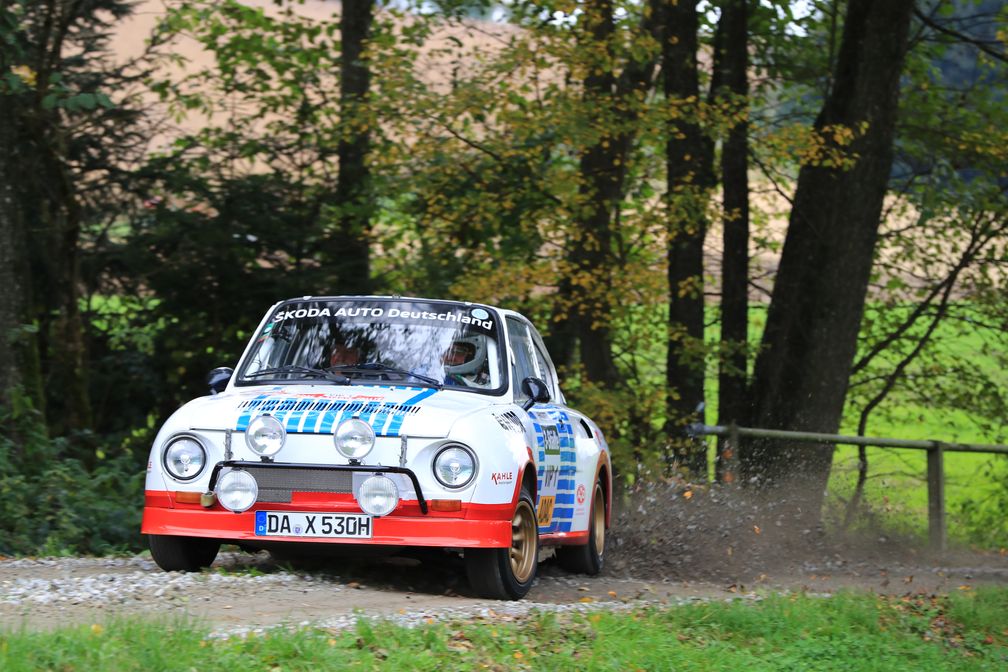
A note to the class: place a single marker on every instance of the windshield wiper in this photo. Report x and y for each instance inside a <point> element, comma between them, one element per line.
<point>384,368</point>
<point>294,368</point>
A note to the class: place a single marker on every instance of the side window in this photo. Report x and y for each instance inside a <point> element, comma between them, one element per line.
<point>544,371</point>
<point>523,353</point>
<point>546,368</point>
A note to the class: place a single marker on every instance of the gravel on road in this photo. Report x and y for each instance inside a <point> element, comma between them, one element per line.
<point>675,544</point>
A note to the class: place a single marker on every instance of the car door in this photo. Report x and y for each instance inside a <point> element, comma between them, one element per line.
<point>549,427</point>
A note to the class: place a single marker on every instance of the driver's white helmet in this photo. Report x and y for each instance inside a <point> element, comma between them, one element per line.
<point>476,362</point>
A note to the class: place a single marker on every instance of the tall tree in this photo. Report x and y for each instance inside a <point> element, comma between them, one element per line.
<point>18,346</point>
<point>688,159</point>
<point>802,371</point>
<point>350,249</point>
<point>732,62</point>
<point>613,93</point>
<point>64,63</point>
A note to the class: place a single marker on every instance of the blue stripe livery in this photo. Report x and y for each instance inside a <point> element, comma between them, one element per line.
<point>553,416</point>
<point>312,416</point>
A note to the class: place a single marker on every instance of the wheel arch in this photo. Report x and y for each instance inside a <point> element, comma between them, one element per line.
<point>603,475</point>
<point>531,480</point>
<point>529,477</point>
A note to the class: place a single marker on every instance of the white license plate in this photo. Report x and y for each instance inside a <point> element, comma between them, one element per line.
<point>302,524</point>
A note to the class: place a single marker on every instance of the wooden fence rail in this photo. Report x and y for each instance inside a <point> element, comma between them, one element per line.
<point>935,459</point>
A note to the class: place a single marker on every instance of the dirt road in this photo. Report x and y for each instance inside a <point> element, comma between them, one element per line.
<point>243,592</point>
<point>664,548</point>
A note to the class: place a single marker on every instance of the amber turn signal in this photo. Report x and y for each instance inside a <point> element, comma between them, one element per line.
<point>187,497</point>
<point>445,504</point>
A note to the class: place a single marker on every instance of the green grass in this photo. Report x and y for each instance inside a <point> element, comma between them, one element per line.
<point>846,632</point>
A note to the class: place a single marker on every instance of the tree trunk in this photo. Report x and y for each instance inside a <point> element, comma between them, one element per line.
<point>601,187</point>
<point>611,100</point>
<point>14,277</point>
<point>48,210</point>
<point>732,62</point>
<point>802,371</point>
<point>68,404</point>
<point>351,251</point>
<point>689,177</point>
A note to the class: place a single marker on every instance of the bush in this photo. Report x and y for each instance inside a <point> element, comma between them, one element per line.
<point>52,503</point>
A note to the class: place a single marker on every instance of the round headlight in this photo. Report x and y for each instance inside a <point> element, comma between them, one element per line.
<point>236,490</point>
<point>454,466</point>
<point>184,458</point>
<point>354,438</point>
<point>265,435</point>
<point>378,495</point>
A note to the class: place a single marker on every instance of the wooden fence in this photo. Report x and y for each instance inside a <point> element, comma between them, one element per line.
<point>935,459</point>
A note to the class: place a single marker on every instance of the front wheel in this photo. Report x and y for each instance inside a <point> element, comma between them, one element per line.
<point>182,554</point>
<point>589,558</point>
<point>507,573</point>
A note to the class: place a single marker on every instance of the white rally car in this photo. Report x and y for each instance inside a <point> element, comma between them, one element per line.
<point>385,421</point>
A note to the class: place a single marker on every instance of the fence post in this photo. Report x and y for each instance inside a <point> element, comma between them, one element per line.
<point>726,461</point>
<point>936,496</point>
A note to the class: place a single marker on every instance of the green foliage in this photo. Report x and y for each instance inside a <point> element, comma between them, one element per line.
<point>984,515</point>
<point>52,503</point>
<point>843,632</point>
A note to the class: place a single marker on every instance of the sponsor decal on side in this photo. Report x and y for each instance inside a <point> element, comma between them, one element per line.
<point>551,437</point>
<point>580,494</point>
<point>502,477</point>
<point>545,513</point>
<point>551,478</point>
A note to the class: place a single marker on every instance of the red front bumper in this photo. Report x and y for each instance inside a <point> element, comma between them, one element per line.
<point>475,526</point>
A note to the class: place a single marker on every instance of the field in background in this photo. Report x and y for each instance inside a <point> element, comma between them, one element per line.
<point>895,496</point>
<point>896,490</point>
<point>976,485</point>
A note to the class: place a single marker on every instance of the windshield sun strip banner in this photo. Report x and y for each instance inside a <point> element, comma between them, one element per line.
<point>408,311</point>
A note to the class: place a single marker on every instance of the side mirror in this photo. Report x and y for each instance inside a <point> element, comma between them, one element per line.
<point>218,379</point>
<point>537,391</point>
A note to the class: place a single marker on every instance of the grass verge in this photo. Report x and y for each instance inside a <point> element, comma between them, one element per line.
<point>849,632</point>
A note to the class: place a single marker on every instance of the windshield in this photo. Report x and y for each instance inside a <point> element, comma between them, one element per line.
<point>367,341</point>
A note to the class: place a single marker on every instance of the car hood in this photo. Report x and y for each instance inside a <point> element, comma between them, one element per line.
<point>317,409</point>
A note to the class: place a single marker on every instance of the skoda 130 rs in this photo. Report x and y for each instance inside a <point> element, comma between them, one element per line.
<point>385,421</point>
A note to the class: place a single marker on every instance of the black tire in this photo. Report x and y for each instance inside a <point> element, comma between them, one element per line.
<point>588,558</point>
<point>182,554</point>
<point>508,573</point>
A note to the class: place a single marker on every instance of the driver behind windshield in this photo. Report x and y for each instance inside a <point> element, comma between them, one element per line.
<point>344,355</point>
<point>465,363</point>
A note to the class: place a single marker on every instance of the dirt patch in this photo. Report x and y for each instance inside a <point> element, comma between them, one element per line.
<point>734,537</point>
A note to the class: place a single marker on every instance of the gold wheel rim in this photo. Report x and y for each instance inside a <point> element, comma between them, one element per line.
<point>523,542</point>
<point>598,514</point>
